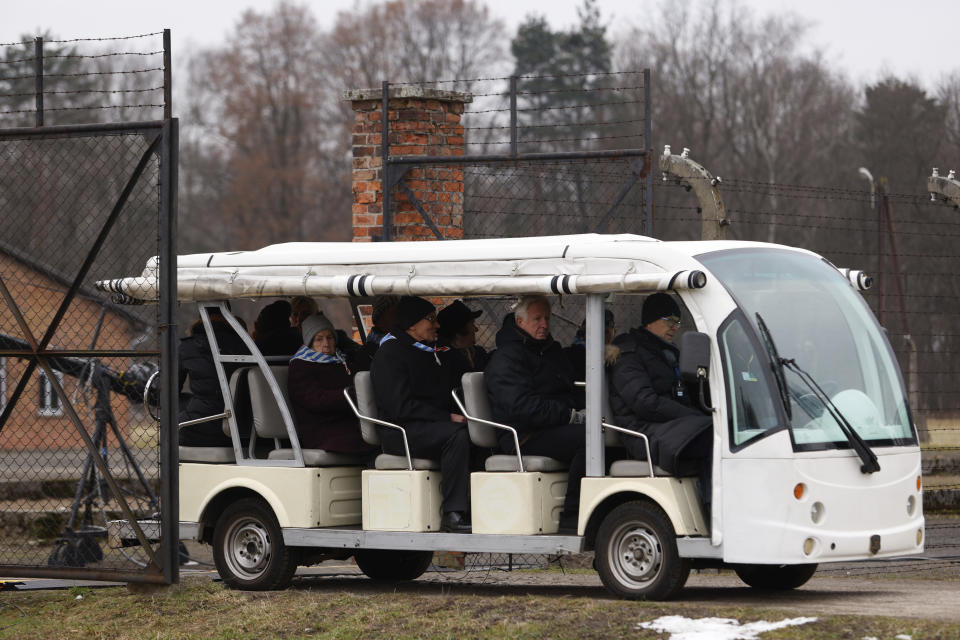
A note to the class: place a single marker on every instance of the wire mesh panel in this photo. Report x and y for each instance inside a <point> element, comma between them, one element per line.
<point>77,448</point>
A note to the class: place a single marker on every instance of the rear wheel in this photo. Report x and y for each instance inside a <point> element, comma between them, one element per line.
<point>773,576</point>
<point>636,553</point>
<point>392,566</point>
<point>248,548</point>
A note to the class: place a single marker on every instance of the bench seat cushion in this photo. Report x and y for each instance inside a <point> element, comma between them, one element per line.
<point>505,462</point>
<point>632,468</point>
<point>387,462</point>
<point>318,458</point>
<point>207,454</point>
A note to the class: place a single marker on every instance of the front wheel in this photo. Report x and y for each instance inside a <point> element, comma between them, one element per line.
<point>773,576</point>
<point>392,566</point>
<point>248,548</point>
<point>636,553</point>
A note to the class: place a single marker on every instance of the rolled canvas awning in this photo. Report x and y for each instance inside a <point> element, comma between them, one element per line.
<point>588,263</point>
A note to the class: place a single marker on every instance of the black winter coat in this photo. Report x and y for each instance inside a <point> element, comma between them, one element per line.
<point>324,419</point>
<point>205,398</point>
<point>409,384</point>
<point>529,382</point>
<point>457,362</point>
<point>642,397</point>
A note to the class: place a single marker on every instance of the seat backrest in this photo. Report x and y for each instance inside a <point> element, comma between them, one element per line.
<point>367,405</point>
<point>478,405</point>
<point>267,419</point>
<point>240,392</point>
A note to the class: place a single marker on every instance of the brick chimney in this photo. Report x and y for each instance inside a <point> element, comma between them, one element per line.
<point>422,122</point>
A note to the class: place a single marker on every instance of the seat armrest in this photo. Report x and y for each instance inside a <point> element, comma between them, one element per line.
<point>513,432</point>
<point>383,423</point>
<point>634,434</point>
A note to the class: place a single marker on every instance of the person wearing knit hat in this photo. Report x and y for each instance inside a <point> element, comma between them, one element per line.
<point>317,375</point>
<point>647,395</point>
<point>411,386</point>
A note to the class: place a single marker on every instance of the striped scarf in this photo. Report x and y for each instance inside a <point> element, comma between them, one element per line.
<point>419,345</point>
<point>308,354</point>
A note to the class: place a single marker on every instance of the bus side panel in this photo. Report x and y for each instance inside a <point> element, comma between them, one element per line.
<point>841,514</point>
<point>300,497</point>
<point>676,496</point>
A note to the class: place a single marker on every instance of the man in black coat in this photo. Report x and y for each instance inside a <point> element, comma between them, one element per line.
<point>412,389</point>
<point>205,398</point>
<point>647,395</point>
<point>530,385</point>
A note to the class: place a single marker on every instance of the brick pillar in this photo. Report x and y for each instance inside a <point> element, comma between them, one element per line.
<point>423,122</point>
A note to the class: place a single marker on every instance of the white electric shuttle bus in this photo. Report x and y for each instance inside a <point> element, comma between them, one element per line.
<point>815,457</point>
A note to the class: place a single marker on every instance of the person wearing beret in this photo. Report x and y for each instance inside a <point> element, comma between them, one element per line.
<point>648,395</point>
<point>412,388</point>
<point>458,331</point>
<point>318,373</point>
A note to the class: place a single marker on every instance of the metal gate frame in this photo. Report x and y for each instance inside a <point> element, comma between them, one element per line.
<point>394,168</point>
<point>162,137</point>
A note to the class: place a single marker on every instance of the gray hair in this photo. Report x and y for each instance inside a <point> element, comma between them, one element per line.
<point>525,302</point>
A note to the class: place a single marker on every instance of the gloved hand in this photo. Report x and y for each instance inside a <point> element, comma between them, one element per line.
<point>578,417</point>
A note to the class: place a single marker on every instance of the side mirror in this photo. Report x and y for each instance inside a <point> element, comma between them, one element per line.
<point>694,355</point>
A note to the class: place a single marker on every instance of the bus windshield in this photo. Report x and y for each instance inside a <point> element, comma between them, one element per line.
<point>818,320</point>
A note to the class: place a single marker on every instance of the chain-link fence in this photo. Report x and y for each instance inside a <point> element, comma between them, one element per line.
<point>80,203</point>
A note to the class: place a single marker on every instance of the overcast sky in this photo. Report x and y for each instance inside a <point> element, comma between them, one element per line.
<point>862,37</point>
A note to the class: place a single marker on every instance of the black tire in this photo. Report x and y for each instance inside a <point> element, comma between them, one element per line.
<point>636,553</point>
<point>248,548</point>
<point>392,566</point>
<point>773,576</point>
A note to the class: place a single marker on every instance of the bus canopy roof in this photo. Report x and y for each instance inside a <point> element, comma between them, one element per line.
<point>586,263</point>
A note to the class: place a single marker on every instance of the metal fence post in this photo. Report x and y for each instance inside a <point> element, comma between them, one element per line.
<point>38,71</point>
<point>169,458</point>
<point>167,77</point>
<point>513,116</point>
<point>648,146</point>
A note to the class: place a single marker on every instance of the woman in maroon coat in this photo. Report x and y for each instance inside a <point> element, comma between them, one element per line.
<point>319,372</point>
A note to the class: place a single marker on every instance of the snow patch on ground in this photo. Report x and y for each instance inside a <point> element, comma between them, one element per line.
<point>681,628</point>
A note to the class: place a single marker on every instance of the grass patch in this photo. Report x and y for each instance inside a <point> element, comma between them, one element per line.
<point>357,608</point>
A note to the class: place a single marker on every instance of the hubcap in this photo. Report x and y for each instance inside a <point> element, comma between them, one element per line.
<point>636,555</point>
<point>248,548</point>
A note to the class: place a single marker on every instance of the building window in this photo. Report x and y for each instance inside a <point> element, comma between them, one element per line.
<point>49,400</point>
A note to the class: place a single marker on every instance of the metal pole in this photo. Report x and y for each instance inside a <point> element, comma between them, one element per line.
<point>38,70</point>
<point>386,187</point>
<point>513,116</point>
<point>595,347</point>
<point>167,77</point>
<point>648,145</point>
<point>169,365</point>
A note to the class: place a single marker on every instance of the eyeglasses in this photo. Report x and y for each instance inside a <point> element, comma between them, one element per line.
<point>675,321</point>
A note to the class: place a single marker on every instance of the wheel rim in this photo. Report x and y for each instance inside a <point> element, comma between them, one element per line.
<point>248,549</point>
<point>635,555</point>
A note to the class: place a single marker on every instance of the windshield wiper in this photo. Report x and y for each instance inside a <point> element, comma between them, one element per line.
<point>776,364</point>
<point>867,456</point>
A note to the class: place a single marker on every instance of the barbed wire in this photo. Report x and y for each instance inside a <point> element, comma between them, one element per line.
<point>572,106</point>
<point>77,75</point>
<point>553,126</point>
<point>492,79</point>
<point>78,91</point>
<point>106,39</point>
<point>113,106</point>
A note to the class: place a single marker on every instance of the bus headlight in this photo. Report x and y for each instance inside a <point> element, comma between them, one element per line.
<point>809,545</point>
<point>911,505</point>
<point>919,537</point>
